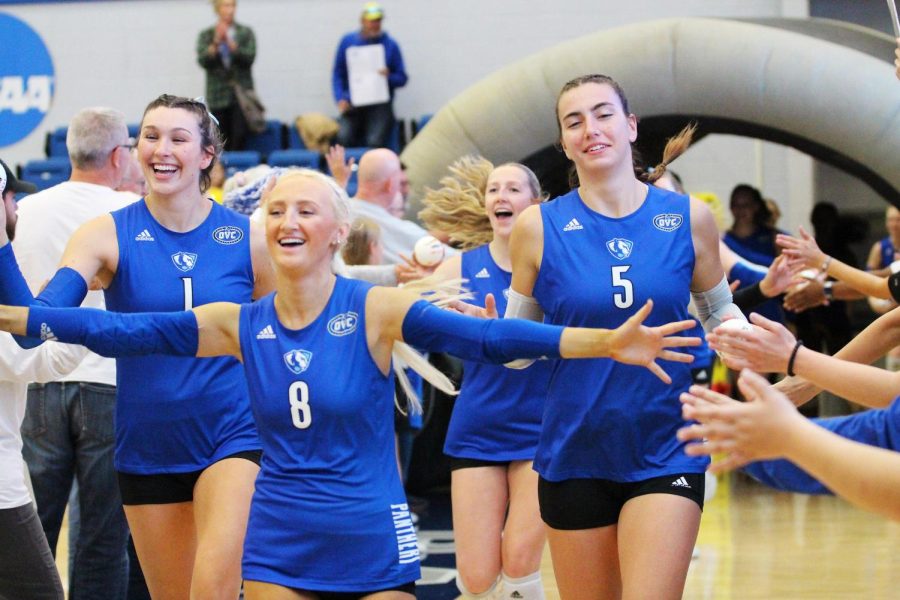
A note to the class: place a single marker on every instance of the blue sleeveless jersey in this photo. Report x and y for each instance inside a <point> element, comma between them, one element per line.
<point>329,511</point>
<point>888,252</point>
<point>604,419</point>
<point>180,414</point>
<point>497,415</point>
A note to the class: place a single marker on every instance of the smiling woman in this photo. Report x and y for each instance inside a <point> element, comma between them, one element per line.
<point>328,441</point>
<point>621,500</point>
<point>169,252</point>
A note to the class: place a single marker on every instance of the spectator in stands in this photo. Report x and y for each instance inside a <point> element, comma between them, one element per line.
<point>379,177</point>
<point>69,424</point>
<point>370,125</point>
<point>226,52</point>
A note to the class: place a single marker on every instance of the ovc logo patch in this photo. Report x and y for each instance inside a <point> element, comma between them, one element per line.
<point>228,235</point>
<point>297,360</point>
<point>26,80</point>
<point>620,247</point>
<point>185,261</point>
<point>667,221</point>
<point>343,324</point>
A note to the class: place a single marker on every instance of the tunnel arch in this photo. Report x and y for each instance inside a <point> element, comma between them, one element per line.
<point>823,87</point>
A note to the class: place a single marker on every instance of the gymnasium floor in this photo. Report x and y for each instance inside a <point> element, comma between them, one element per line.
<point>754,544</point>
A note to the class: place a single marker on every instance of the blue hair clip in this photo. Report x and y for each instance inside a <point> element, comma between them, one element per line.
<point>202,100</point>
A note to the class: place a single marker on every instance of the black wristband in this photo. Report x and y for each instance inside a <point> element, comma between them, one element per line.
<point>790,367</point>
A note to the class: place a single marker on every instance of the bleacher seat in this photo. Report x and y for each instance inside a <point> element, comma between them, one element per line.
<point>294,141</point>
<point>269,140</point>
<point>420,123</point>
<point>47,172</point>
<point>295,158</point>
<point>235,161</point>
<point>56,142</point>
<point>134,130</point>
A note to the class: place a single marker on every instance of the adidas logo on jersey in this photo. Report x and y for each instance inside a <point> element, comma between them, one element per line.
<point>266,333</point>
<point>681,482</point>
<point>516,594</point>
<point>573,225</point>
<point>47,333</point>
<point>144,236</point>
<point>482,274</point>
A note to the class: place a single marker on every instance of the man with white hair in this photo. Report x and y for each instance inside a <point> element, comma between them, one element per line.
<point>68,430</point>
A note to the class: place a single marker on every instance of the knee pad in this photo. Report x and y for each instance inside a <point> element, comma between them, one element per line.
<point>487,594</point>
<point>529,587</point>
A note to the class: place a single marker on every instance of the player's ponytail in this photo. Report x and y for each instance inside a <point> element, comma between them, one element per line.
<point>675,147</point>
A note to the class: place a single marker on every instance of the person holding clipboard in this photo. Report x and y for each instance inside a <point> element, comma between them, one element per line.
<point>368,67</point>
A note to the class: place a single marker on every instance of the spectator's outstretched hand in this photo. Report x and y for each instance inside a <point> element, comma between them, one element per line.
<point>340,168</point>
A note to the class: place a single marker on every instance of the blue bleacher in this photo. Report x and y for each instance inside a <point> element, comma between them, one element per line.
<point>134,130</point>
<point>47,172</point>
<point>294,141</point>
<point>295,158</point>
<point>239,161</point>
<point>56,142</point>
<point>420,123</point>
<point>268,141</point>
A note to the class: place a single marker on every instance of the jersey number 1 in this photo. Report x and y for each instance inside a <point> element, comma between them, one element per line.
<point>626,298</point>
<point>188,292</point>
<point>298,394</point>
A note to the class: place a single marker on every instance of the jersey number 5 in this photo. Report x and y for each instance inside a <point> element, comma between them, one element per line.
<point>626,298</point>
<point>298,394</point>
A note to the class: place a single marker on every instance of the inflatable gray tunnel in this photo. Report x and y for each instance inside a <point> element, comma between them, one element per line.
<point>824,87</point>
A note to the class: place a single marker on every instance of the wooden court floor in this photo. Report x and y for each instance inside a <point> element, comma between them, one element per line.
<point>755,543</point>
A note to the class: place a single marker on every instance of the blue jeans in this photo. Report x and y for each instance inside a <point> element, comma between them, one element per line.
<point>69,434</point>
<point>366,126</point>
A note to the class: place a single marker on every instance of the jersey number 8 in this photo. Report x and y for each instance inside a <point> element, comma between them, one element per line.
<point>298,394</point>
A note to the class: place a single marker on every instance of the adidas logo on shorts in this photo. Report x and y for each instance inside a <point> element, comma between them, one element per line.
<point>681,482</point>
<point>482,274</point>
<point>573,225</point>
<point>144,236</point>
<point>267,333</point>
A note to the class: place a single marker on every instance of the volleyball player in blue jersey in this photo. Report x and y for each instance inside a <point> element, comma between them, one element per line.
<point>328,514</point>
<point>187,451</point>
<point>496,420</point>
<point>620,498</point>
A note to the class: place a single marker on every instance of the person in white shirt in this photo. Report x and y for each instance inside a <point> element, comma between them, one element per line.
<point>68,430</point>
<point>379,183</point>
<point>27,568</point>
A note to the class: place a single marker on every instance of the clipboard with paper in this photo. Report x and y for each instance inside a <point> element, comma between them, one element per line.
<point>364,71</point>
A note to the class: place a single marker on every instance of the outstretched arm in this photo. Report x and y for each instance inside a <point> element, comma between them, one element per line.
<point>768,349</point>
<point>768,426</point>
<point>804,253</point>
<point>397,315</point>
<point>209,330</point>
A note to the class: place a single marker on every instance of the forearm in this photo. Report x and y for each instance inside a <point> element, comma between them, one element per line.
<point>865,476</point>
<point>114,334</point>
<point>866,283</point>
<point>748,298</point>
<point>579,342</point>
<point>863,384</point>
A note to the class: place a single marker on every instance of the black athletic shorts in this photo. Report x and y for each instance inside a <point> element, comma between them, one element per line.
<point>468,463</point>
<point>168,488</point>
<point>702,375</point>
<point>590,503</point>
<point>409,588</point>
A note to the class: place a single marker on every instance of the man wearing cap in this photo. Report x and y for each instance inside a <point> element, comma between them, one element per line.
<point>368,125</point>
<point>27,568</point>
<point>68,430</point>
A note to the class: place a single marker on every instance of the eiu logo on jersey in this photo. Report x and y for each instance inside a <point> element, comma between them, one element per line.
<point>668,221</point>
<point>343,324</point>
<point>228,235</point>
<point>185,261</point>
<point>620,247</point>
<point>297,360</point>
